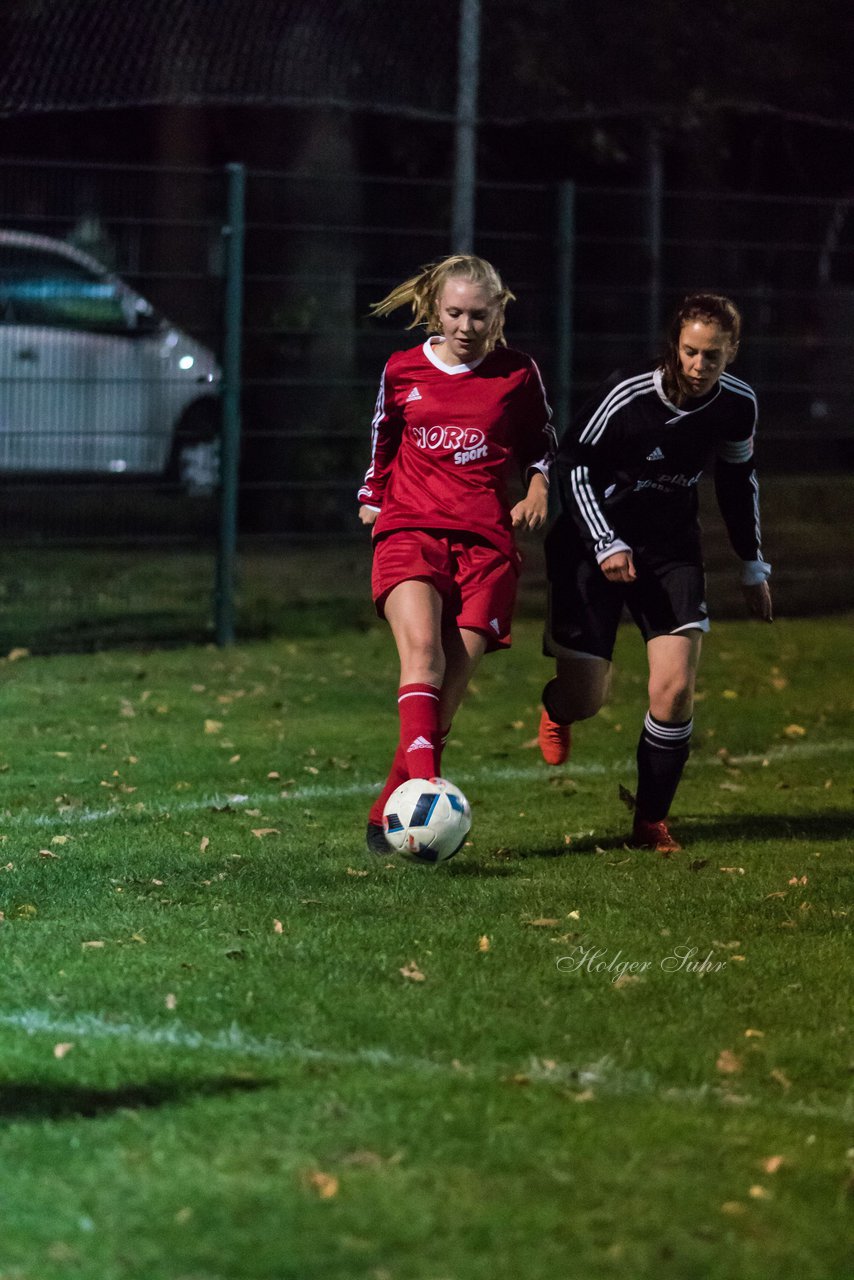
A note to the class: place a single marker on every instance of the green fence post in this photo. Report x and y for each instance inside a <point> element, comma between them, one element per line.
<point>234,232</point>
<point>564,308</point>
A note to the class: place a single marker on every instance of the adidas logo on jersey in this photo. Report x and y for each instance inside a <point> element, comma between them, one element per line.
<point>414,394</point>
<point>655,456</point>
<point>418,744</point>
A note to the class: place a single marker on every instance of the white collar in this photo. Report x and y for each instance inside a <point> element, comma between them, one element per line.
<point>440,364</point>
<point>658,379</point>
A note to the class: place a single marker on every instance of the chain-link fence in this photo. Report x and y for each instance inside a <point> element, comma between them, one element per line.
<point>112,326</point>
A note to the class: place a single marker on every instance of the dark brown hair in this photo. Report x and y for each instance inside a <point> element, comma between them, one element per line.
<point>714,308</point>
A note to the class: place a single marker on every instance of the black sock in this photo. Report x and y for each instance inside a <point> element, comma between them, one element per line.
<point>662,751</point>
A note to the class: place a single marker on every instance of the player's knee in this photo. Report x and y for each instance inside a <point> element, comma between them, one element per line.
<point>672,699</point>
<point>568,701</point>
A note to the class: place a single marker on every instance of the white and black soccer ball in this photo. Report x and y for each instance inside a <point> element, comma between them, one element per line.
<point>426,820</point>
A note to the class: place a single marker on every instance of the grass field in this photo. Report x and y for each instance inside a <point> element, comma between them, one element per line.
<point>235,1047</point>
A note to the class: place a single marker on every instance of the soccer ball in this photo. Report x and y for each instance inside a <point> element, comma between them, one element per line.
<point>426,820</point>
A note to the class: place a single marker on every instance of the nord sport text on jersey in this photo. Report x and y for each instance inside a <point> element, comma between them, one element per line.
<point>470,442</point>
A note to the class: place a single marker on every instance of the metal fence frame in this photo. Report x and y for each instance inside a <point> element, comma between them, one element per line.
<point>595,269</point>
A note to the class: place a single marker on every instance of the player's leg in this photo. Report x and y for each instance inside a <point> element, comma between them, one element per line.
<point>670,610</point>
<point>414,612</point>
<point>665,739</point>
<point>464,649</point>
<point>409,576</point>
<point>477,617</point>
<point>582,616</point>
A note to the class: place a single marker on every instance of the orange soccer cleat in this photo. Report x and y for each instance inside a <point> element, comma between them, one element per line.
<point>554,739</point>
<point>653,835</point>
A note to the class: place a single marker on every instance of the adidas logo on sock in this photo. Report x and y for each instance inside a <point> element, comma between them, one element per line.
<point>655,456</point>
<point>419,744</point>
<point>414,394</point>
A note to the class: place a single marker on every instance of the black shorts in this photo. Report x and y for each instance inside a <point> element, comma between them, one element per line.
<point>584,608</point>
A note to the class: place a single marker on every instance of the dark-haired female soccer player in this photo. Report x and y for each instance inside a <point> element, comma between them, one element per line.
<point>628,533</point>
<point>455,417</point>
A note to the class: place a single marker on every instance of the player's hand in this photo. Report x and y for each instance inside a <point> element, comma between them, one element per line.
<point>620,567</point>
<point>758,599</point>
<point>367,515</point>
<point>531,512</point>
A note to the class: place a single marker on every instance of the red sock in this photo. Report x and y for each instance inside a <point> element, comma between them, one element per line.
<point>396,775</point>
<point>418,705</point>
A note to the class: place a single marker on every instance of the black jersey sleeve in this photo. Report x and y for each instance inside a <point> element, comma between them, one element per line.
<point>584,466</point>
<point>736,483</point>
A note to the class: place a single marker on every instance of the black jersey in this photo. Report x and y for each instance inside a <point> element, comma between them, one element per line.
<point>629,466</point>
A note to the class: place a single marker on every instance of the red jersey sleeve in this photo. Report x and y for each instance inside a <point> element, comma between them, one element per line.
<point>535,441</point>
<point>386,431</point>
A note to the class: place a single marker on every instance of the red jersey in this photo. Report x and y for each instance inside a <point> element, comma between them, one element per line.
<point>446,439</point>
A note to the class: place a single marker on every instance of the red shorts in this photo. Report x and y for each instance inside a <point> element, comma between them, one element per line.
<point>476,581</point>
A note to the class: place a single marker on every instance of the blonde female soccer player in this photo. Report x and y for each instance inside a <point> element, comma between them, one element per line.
<point>628,534</point>
<point>456,416</point>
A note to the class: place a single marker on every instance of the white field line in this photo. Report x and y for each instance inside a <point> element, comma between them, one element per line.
<point>602,1077</point>
<point>326,791</point>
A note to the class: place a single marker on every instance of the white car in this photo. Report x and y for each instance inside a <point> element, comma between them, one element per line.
<point>92,378</point>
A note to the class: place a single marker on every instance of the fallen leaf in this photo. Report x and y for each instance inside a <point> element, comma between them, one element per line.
<point>483,943</point>
<point>171,1000</point>
<point>794,731</point>
<point>265,831</point>
<point>626,980</point>
<point>412,973</point>
<point>798,880</point>
<point>213,726</point>
<point>353,871</point>
<point>758,1192</point>
<point>780,893</point>
<point>752,1033</point>
<point>733,870</point>
<point>278,927</point>
<point>586,1095</point>
<point>325,1184</point>
<point>93,944</point>
<point>729,694</point>
<point>773,1164</point>
<point>732,1207</point>
<point>728,1063</point>
<point>203,843</point>
<point>543,922</point>
<point>15,655</point>
<point>60,1050</point>
<point>574,915</point>
<point>781,1078</point>
<point>47,853</point>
